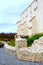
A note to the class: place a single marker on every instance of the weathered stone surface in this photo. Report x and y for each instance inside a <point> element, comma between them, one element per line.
<point>30,55</point>
<point>38,42</point>
<point>9,49</point>
<point>20,43</point>
<point>33,53</point>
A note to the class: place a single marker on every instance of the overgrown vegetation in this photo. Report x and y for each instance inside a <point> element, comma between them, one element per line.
<point>12,42</point>
<point>7,36</point>
<point>31,39</point>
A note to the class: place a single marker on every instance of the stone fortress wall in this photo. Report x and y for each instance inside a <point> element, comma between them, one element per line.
<point>31,19</point>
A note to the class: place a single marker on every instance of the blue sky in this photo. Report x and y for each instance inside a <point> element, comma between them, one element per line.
<point>10,11</point>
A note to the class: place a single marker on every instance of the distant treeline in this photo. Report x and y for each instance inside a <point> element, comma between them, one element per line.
<point>7,36</point>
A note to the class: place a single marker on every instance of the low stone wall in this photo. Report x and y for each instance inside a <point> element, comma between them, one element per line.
<point>32,54</point>
<point>9,49</point>
<point>27,54</point>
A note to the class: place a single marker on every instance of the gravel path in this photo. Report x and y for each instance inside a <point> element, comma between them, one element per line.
<point>7,59</point>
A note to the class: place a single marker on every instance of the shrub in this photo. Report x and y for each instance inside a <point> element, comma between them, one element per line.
<point>31,39</point>
<point>11,43</point>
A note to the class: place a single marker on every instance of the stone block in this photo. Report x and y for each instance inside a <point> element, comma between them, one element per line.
<point>20,43</point>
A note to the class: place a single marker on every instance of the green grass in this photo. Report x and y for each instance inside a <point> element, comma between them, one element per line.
<point>31,39</point>
<point>12,43</point>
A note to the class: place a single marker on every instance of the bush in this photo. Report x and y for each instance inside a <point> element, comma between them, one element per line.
<point>11,43</point>
<point>31,39</point>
